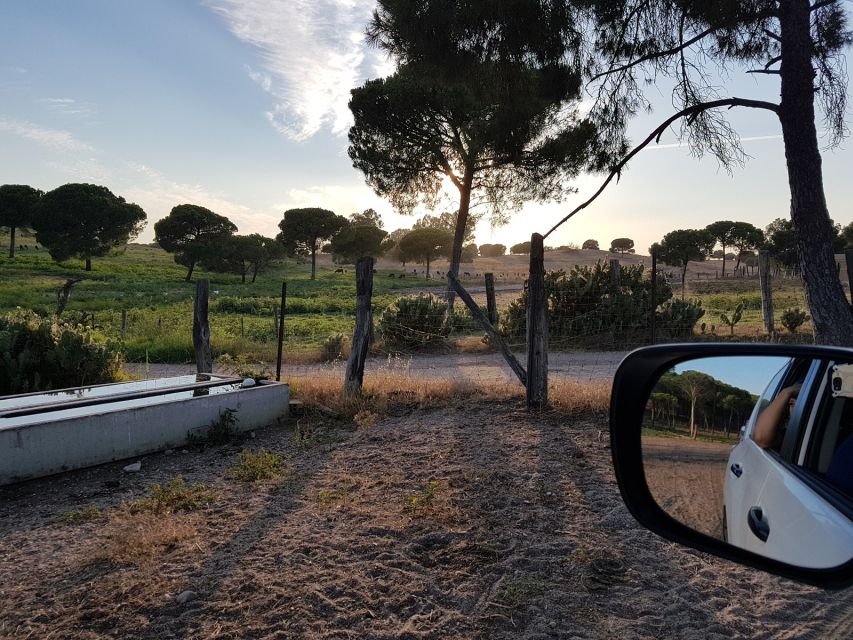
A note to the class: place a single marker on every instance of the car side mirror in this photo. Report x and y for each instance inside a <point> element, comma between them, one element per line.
<point>776,493</point>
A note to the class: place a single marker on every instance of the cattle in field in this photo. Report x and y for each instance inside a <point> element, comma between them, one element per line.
<point>339,270</point>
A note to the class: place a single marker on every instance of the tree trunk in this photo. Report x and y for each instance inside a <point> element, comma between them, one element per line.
<point>427,274</point>
<point>459,233</point>
<point>831,314</point>
<point>11,242</point>
<point>314,259</point>
<point>189,277</point>
<point>724,262</point>
<point>254,274</point>
<point>683,280</point>
<point>354,375</point>
<point>88,263</point>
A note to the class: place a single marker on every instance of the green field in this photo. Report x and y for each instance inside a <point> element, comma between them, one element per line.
<point>145,282</point>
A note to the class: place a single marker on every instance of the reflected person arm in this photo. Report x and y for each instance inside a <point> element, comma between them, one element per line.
<point>767,426</point>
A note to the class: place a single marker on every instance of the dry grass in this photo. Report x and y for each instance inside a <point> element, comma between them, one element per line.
<point>172,497</point>
<point>386,391</point>
<point>131,538</point>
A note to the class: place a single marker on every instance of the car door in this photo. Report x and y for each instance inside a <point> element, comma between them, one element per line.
<point>786,511</point>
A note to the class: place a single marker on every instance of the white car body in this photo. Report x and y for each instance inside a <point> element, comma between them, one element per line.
<point>805,522</point>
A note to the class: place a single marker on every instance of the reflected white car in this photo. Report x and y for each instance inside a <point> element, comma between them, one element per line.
<point>793,502</point>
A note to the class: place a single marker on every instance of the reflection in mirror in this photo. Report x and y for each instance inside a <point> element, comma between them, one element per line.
<point>757,451</point>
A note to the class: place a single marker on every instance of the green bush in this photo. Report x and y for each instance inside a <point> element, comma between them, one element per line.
<point>333,347</point>
<point>677,318</point>
<point>415,322</point>
<point>38,354</point>
<point>584,306</point>
<point>792,319</point>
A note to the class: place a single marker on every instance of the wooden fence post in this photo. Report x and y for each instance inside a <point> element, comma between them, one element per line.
<point>654,301</point>
<point>615,275</point>
<point>848,258</point>
<point>201,328</point>
<point>491,304</point>
<point>537,327</point>
<point>766,293</point>
<point>280,331</point>
<point>363,321</point>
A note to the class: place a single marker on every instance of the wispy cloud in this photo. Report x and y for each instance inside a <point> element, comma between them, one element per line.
<point>313,53</point>
<point>157,194</point>
<point>679,145</point>
<point>56,139</point>
<point>69,106</point>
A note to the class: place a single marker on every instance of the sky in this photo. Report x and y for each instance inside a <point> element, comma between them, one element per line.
<point>241,106</point>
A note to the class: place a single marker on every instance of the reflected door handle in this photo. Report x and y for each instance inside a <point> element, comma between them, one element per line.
<point>758,524</point>
<point>736,469</point>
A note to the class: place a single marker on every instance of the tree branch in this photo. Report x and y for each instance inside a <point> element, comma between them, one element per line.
<point>690,113</point>
<point>657,54</point>
<point>772,35</point>
<point>822,4</point>
<point>770,72</point>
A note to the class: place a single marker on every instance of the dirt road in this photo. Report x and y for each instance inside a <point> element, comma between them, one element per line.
<point>480,521</point>
<point>470,367</point>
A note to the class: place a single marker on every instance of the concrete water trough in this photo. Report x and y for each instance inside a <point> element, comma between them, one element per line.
<point>56,431</point>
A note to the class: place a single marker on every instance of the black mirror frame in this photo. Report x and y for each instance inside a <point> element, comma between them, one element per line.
<point>633,382</point>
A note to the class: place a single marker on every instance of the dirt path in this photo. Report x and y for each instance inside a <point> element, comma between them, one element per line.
<point>486,522</point>
<point>686,478</point>
<point>472,367</point>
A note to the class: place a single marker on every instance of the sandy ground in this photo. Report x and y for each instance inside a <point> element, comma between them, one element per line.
<point>524,536</point>
<point>686,479</point>
<point>470,367</point>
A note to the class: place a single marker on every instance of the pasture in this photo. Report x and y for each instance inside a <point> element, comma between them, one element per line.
<point>145,283</point>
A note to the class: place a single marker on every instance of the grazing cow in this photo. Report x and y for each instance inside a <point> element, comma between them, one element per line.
<point>402,275</point>
<point>339,270</point>
<point>466,274</point>
<point>391,275</point>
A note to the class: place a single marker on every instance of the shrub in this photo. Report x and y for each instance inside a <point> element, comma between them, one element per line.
<point>584,305</point>
<point>678,317</point>
<point>332,347</point>
<point>38,354</point>
<point>792,319</point>
<point>736,315</point>
<point>253,466</point>
<point>415,322</point>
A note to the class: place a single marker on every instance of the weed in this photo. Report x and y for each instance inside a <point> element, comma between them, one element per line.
<point>79,516</point>
<point>792,319</point>
<point>172,497</point>
<point>425,498</point>
<point>328,497</point>
<point>333,347</point>
<point>222,431</point>
<point>519,592</point>
<point>254,466</point>
<point>365,419</point>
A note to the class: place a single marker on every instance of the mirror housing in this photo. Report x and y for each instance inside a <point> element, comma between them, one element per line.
<point>633,383</point>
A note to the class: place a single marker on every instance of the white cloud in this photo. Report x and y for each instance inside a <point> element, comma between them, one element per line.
<point>157,194</point>
<point>313,53</point>
<point>55,139</point>
<point>69,106</point>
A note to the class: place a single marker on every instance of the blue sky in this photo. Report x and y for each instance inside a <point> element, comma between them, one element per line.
<point>752,373</point>
<point>240,106</point>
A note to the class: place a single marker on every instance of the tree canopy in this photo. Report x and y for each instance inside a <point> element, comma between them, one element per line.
<point>424,245</point>
<point>192,233</point>
<point>242,255</point>
<point>447,221</point>
<point>304,227</point>
<point>17,206</point>
<point>492,250</point>
<point>621,245</point>
<point>357,241</point>
<point>522,248</point>
<point>590,244</point>
<point>368,217</point>
<point>84,221</point>
<point>497,130</point>
<point>679,247</point>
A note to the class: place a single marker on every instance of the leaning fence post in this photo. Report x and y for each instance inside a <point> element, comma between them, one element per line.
<point>766,294</point>
<point>537,327</point>
<point>491,304</point>
<point>363,321</point>
<point>201,328</point>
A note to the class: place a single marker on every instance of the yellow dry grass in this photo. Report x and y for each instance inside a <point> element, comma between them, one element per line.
<point>132,538</point>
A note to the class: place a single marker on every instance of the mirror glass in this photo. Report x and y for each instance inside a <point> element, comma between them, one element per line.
<point>757,451</point>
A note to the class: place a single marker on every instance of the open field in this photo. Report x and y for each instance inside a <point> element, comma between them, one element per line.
<point>145,282</point>
<point>462,517</point>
